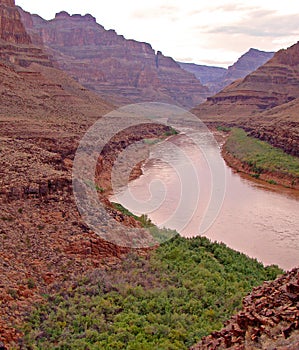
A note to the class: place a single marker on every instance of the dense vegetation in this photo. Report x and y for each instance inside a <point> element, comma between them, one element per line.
<point>260,155</point>
<point>167,300</point>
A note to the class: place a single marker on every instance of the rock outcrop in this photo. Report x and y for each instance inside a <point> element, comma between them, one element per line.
<point>268,320</point>
<point>271,85</point>
<point>123,71</point>
<point>15,44</point>
<point>264,102</point>
<point>11,27</point>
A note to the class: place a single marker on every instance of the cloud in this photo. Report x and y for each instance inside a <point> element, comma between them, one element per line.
<point>166,11</point>
<point>264,29</point>
<point>260,23</point>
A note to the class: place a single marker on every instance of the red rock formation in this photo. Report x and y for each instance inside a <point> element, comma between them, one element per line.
<point>43,240</point>
<point>121,70</point>
<point>43,114</point>
<point>273,84</point>
<point>15,43</point>
<point>11,27</point>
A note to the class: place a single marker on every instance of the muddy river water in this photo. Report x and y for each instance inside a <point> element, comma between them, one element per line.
<point>253,217</point>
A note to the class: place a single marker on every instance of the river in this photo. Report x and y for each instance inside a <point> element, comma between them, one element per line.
<point>256,218</point>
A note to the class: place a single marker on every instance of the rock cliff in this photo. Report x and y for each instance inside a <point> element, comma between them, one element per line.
<point>15,44</point>
<point>246,64</point>
<point>123,71</point>
<point>11,27</point>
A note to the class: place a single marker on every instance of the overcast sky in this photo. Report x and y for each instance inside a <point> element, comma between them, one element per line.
<point>214,32</point>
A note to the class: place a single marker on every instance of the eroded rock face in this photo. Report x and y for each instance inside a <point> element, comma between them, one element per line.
<point>15,44</point>
<point>124,71</point>
<point>43,114</point>
<point>11,27</point>
<point>43,239</point>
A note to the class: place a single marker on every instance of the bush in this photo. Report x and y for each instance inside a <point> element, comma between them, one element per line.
<point>169,299</point>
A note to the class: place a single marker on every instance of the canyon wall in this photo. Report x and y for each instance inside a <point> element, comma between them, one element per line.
<point>120,70</point>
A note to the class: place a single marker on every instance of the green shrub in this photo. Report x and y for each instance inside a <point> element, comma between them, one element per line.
<point>169,299</point>
<point>223,128</point>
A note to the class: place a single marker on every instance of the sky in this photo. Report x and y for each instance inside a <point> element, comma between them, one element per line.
<point>215,32</point>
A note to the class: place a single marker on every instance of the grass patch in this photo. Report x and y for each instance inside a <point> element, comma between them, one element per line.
<point>223,128</point>
<point>100,189</point>
<point>168,300</point>
<point>260,155</point>
<point>152,141</point>
<point>171,132</point>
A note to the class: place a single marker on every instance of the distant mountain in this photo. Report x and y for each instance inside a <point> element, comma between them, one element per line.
<point>246,64</point>
<point>265,101</point>
<point>123,71</point>
<point>216,78</point>
<point>206,74</point>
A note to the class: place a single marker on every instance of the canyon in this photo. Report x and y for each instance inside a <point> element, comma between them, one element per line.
<point>56,81</point>
<point>121,71</point>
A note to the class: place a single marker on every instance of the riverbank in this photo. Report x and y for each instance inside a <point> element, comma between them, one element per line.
<point>260,160</point>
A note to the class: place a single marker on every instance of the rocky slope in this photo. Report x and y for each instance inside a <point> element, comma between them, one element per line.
<point>216,78</point>
<point>43,115</point>
<point>43,240</point>
<point>264,102</point>
<point>123,71</point>
<point>268,320</point>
